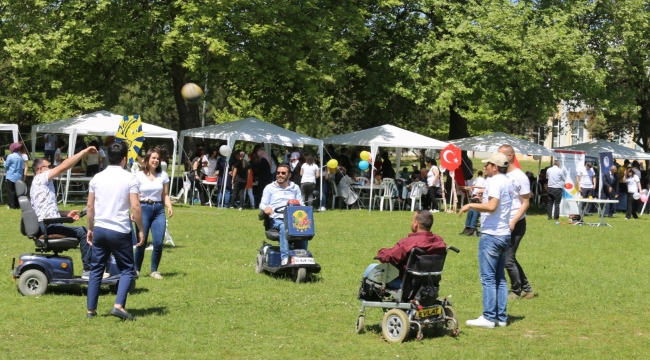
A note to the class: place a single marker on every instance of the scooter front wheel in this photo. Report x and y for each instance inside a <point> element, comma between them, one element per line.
<point>32,283</point>
<point>258,264</point>
<point>300,275</point>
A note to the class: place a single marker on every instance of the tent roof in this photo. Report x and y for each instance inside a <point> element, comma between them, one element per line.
<point>10,127</point>
<point>597,146</point>
<point>492,142</point>
<point>253,130</point>
<point>102,123</point>
<point>386,136</point>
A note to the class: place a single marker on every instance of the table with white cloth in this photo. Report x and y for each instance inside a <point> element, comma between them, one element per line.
<point>358,188</point>
<point>600,206</point>
<point>209,184</point>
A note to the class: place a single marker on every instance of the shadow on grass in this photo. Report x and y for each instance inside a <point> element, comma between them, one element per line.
<point>514,318</point>
<point>149,311</point>
<point>311,278</point>
<point>173,274</point>
<point>80,290</point>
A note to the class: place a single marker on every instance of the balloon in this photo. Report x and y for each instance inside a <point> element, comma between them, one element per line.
<point>645,191</point>
<point>364,155</point>
<point>224,150</point>
<point>332,164</point>
<point>644,198</point>
<point>363,165</point>
<point>636,196</point>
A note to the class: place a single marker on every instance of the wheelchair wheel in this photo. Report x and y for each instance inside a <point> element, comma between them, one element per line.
<point>361,324</point>
<point>395,326</point>
<point>300,275</point>
<point>449,327</point>
<point>32,283</point>
<point>258,264</point>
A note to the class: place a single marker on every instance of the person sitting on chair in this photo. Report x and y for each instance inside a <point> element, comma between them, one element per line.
<point>420,237</point>
<point>43,200</point>
<point>277,194</point>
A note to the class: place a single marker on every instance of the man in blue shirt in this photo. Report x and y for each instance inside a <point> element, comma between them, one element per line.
<point>277,194</point>
<point>15,167</point>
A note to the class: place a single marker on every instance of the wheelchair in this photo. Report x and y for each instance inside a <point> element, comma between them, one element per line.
<point>415,305</point>
<point>299,226</point>
<point>36,270</point>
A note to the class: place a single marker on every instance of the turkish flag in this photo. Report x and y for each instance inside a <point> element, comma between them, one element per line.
<point>516,163</point>
<point>450,157</point>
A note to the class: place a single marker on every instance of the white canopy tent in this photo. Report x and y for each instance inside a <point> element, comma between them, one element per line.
<point>100,123</point>
<point>492,142</point>
<point>385,136</point>
<point>252,130</point>
<point>10,127</point>
<point>618,151</point>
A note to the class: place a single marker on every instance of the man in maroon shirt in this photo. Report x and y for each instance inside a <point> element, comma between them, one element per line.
<point>420,237</point>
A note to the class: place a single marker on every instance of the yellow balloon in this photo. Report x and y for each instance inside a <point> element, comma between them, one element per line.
<point>332,164</point>
<point>364,155</point>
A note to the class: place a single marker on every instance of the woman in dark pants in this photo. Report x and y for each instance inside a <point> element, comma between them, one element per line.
<point>633,188</point>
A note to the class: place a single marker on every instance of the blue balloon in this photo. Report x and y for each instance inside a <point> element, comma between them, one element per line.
<point>363,165</point>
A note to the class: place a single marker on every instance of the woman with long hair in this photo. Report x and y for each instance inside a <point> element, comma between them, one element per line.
<point>309,172</point>
<point>633,188</point>
<point>154,195</point>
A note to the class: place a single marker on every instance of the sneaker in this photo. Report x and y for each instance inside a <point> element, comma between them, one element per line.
<point>85,275</point>
<point>481,322</point>
<point>284,261</point>
<point>502,324</point>
<point>106,275</point>
<point>323,209</point>
<point>514,296</point>
<point>527,294</point>
<point>149,248</point>
<point>435,211</point>
<point>156,275</point>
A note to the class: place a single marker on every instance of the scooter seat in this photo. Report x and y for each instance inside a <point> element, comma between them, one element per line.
<point>272,234</point>
<point>62,244</point>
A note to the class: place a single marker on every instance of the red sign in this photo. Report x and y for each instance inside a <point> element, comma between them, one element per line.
<point>450,157</point>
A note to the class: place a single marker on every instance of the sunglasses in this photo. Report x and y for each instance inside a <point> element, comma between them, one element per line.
<point>282,173</point>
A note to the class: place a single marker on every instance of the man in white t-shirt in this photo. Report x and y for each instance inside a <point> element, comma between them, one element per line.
<point>519,286</point>
<point>43,200</point>
<point>495,241</point>
<point>586,181</point>
<point>433,184</point>
<point>111,193</point>
<point>50,147</point>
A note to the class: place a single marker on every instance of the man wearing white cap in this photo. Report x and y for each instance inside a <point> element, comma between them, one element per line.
<point>495,241</point>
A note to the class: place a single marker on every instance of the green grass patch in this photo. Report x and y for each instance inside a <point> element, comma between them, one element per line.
<point>591,285</point>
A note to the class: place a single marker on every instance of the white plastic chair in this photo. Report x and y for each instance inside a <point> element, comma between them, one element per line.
<point>386,193</point>
<point>184,190</point>
<point>335,194</point>
<point>417,190</point>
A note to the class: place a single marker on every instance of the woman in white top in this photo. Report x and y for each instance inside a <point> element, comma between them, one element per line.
<point>154,193</point>
<point>633,187</point>
<point>212,162</point>
<point>92,161</point>
<point>309,172</point>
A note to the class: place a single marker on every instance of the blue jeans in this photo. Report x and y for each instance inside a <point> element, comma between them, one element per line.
<point>226,198</point>
<point>491,264</point>
<point>78,232</point>
<point>153,217</point>
<point>395,284</point>
<point>105,243</point>
<point>278,224</point>
<point>472,219</point>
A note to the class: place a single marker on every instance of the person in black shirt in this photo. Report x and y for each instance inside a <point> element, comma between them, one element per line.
<point>344,161</point>
<point>240,178</point>
<point>387,171</point>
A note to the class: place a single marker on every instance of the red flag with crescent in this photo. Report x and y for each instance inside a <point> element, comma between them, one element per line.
<point>450,157</point>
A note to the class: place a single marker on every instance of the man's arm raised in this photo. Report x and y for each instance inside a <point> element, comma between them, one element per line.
<point>69,162</point>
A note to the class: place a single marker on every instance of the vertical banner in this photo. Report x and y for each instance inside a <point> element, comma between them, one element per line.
<point>570,162</point>
<point>606,161</point>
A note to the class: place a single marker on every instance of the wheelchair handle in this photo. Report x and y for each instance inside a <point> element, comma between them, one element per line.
<point>453,248</point>
<point>417,251</point>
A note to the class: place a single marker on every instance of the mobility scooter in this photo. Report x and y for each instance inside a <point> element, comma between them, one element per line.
<point>299,226</point>
<point>45,266</point>
<point>415,305</point>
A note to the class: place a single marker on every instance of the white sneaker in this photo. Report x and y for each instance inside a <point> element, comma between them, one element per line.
<point>284,261</point>
<point>434,211</point>
<point>149,248</point>
<point>481,322</point>
<point>322,209</point>
<point>502,324</point>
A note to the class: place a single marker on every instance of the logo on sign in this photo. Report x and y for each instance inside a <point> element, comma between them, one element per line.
<point>301,221</point>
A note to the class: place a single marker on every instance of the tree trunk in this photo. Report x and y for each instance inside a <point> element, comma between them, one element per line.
<point>457,124</point>
<point>189,115</point>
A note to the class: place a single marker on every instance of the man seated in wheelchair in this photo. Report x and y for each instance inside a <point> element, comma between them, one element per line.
<point>394,260</point>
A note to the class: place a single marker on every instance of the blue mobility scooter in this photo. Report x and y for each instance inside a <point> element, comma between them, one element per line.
<point>299,226</point>
<point>36,270</point>
<point>415,305</point>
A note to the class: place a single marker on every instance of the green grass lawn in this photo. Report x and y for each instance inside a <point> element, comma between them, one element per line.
<point>591,286</point>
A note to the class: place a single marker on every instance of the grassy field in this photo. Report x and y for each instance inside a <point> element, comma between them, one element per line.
<point>591,286</point>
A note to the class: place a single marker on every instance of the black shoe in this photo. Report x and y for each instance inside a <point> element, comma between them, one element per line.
<point>91,315</point>
<point>470,231</point>
<point>121,314</point>
<point>550,218</point>
<point>464,232</point>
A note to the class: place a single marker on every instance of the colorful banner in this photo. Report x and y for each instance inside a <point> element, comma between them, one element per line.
<point>570,162</point>
<point>606,161</point>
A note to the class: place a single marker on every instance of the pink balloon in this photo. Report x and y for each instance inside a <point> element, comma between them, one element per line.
<point>644,198</point>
